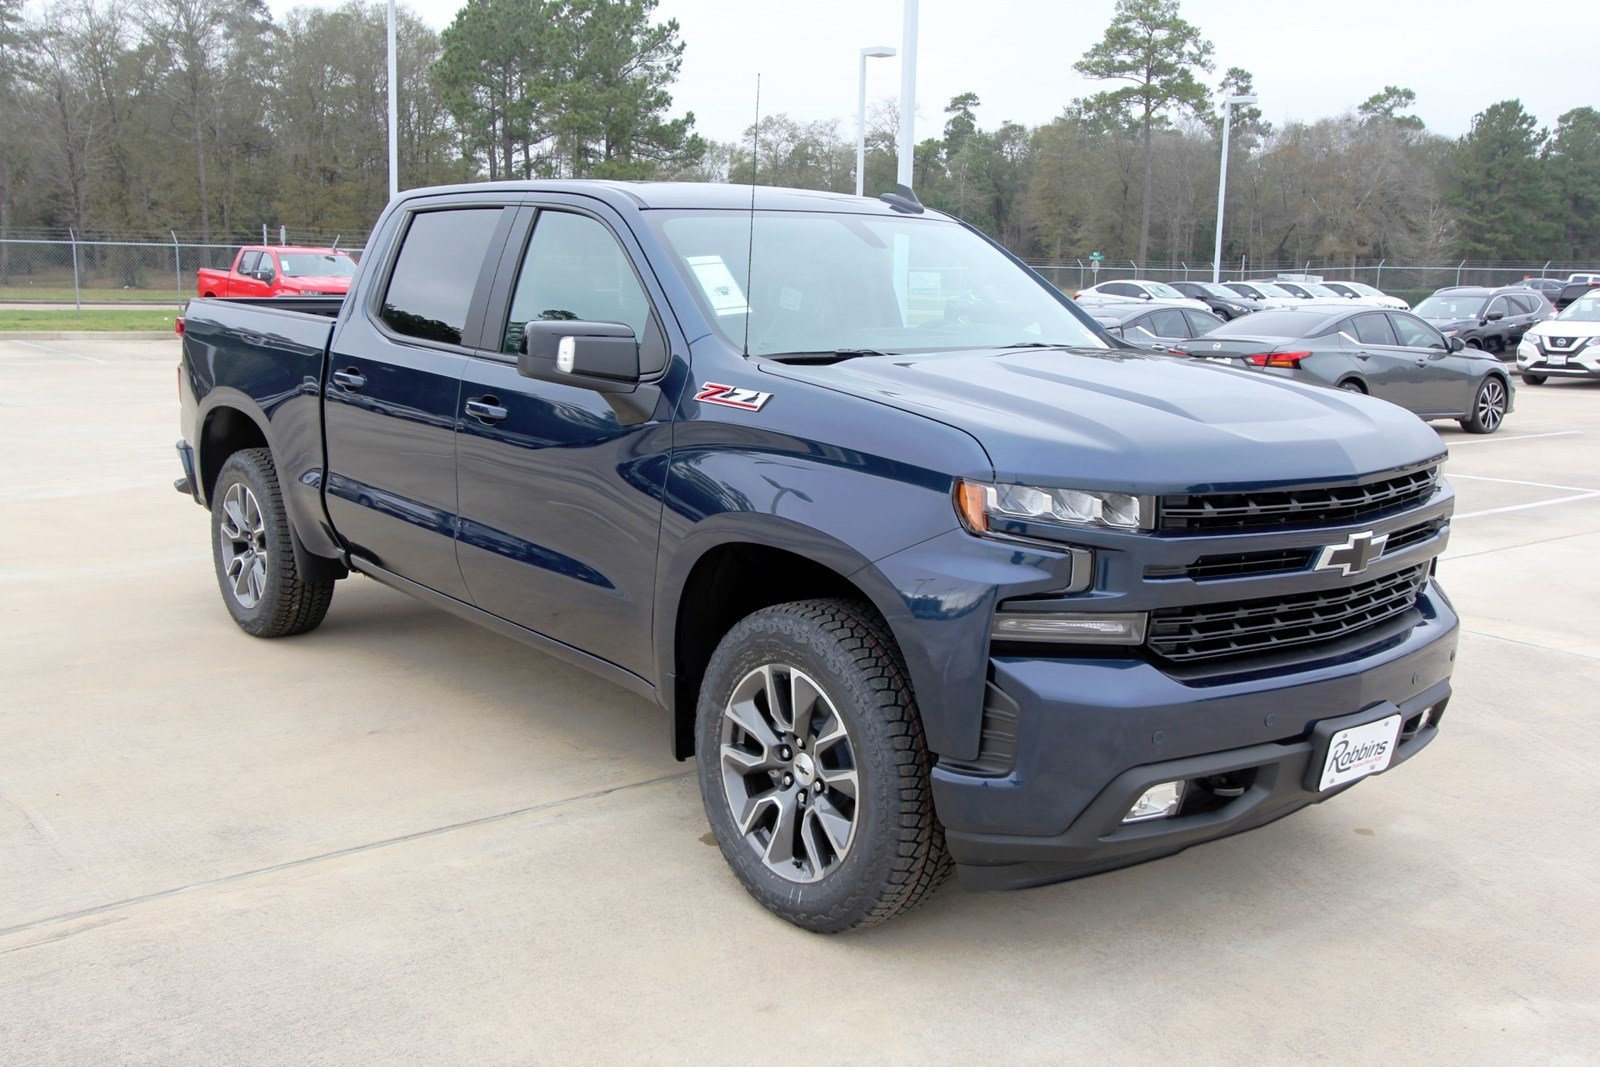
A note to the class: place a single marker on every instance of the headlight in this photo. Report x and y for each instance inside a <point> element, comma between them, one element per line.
<point>982,506</point>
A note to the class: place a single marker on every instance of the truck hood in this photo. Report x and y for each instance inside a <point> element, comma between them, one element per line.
<point>1133,421</point>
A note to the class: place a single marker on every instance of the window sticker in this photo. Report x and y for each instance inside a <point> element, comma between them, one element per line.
<point>720,287</point>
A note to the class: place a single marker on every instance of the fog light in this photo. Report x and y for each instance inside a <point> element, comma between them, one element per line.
<point>1159,802</point>
<point>1076,626</point>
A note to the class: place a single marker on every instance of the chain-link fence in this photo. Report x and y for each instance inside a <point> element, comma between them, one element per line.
<point>107,273</point>
<point>1397,278</point>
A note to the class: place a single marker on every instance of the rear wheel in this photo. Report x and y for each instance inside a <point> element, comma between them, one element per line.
<point>253,549</point>
<point>813,767</point>
<point>1353,386</point>
<point>1488,407</point>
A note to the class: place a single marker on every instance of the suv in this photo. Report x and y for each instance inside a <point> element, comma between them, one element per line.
<point>1491,319</point>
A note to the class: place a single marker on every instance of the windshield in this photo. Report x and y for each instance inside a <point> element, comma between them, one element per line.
<point>1450,307</point>
<point>1318,290</point>
<point>1221,292</point>
<point>316,265</point>
<point>1584,310</point>
<point>828,282</point>
<point>1166,292</point>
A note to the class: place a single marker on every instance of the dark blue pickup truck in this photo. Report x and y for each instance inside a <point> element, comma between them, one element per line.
<point>925,572</point>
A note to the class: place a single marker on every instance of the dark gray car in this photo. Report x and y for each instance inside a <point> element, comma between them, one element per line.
<point>1389,354</point>
<point>1154,326</point>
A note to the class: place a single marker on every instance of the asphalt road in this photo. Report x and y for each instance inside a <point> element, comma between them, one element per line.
<point>404,838</point>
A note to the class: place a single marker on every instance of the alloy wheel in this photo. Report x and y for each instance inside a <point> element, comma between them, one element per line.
<point>1491,404</point>
<point>242,537</point>
<point>789,772</point>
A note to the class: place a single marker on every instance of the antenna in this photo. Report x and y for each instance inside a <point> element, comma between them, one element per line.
<point>750,252</point>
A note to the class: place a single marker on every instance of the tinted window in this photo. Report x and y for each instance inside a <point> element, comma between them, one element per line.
<point>248,261</point>
<point>1121,289</point>
<point>1200,323</point>
<point>1167,324</point>
<point>1273,323</point>
<point>1414,333</point>
<point>437,271</point>
<point>1293,289</point>
<point>1373,330</point>
<point>1525,305</point>
<point>267,267</point>
<point>574,269</point>
<point>1497,306</point>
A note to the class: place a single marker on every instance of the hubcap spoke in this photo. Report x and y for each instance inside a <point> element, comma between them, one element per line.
<point>788,771</point>
<point>242,545</point>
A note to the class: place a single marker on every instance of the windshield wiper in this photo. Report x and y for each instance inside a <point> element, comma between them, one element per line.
<point>825,356</point>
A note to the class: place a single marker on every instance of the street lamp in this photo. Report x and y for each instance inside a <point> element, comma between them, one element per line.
<point>908,94</point>
<point>1222,179</point>
<point>875,52</point>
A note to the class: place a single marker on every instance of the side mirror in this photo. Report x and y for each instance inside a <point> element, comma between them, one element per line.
<point>1457,344</point>
<point>603,356</point>
<point>1145,296</point>
<point>1494,316</point>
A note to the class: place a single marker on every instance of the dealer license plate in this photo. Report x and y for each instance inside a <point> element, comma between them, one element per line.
<point>1360,751</point>
<point>1557,359</point>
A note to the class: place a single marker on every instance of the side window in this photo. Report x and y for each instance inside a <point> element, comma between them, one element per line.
<point>1414,333</point>
<point>574,269</point>
<point>248,261</point>
<point>1245,290</point>
<point>1496,306</point>
<point>267,267</point>
<point>1121,289</point>
<point>1522,305</point>
<point>1201,323</point>
<point>1167,324</point>
<point>1373,330</point>
<point>430,290</point>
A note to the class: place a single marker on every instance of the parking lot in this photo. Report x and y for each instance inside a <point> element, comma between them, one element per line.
<point>402,836</point>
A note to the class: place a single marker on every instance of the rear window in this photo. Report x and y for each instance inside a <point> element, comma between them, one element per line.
<point>1272,324</point>
<point>436,273</point>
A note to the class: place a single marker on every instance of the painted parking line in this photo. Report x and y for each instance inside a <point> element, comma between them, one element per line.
<point>1518,437</point>
<point>1526,507</point>
<point>1515,481</point>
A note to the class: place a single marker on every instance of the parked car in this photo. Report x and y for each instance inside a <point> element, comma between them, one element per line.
<point>1157,328</point>
<point>1222,301</point>
<point>1303,291</point>
<point>1366,294</point>
<point>1393,355</point>
<point>1549,288</point>
<point>1134,289</point>
<point>947,583</point>
<point>1578,286</point>
<point>280,270</point>
<point>1567,346</point>
<point>1267,295</point>
<point>1491,319</point>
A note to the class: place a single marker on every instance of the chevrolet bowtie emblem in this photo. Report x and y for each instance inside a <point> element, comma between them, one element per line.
<point>1355,555</point>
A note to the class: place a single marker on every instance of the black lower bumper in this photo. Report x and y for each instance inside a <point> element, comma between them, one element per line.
<point>1093,737</point>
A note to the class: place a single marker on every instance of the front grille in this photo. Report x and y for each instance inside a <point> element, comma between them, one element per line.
<point>1401,540</point>
<point>1280,561</point>
<point>1248,627</point>
<point>1288,508</point>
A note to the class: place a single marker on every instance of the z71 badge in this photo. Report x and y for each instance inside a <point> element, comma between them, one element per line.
<point>732,397</point>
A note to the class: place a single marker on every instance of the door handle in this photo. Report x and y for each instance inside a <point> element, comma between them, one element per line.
<point>350,379</point>
<point>486,409</point>
<point>1363,355</point>
<point>1423,362</point>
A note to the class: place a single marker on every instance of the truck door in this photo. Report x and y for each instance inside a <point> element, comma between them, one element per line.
<point>560,502</point>
<point>394,383</point>
<point>242,280</point>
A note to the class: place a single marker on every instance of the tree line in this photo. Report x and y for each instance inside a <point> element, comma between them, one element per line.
<point>208,117</point>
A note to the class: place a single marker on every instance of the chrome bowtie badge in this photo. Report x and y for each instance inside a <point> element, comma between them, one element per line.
<point>1355,555</point>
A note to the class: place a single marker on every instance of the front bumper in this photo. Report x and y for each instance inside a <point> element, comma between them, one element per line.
<point>1582,363</point>
<point>1094,734</point>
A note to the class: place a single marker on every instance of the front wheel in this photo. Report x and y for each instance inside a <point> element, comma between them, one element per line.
<point>1488,407</point>
<point>253,549</point>
<point>813,767</point>
<point>1533,379</point>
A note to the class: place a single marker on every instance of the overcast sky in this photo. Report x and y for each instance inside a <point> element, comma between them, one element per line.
<point>1310,60</point>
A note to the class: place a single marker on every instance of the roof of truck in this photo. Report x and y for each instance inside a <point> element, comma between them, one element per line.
<point>704,195</point>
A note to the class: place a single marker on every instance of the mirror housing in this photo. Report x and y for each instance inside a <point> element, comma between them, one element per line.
<point>602,356</point>
<point>1494,316</point>
<point>1457,344</point>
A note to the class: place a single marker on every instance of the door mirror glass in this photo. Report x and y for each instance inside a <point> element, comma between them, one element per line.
<point>603,356</point>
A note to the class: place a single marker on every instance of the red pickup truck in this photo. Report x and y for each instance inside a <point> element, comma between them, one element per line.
<point>280,270</point>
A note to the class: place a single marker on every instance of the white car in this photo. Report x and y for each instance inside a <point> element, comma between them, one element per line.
<point>1268,295</point>
<point>1310,294</point>
<point>1126,289</point>
<point>1567,346</point>
<point>1366,294</point>
<point>1587,277</point>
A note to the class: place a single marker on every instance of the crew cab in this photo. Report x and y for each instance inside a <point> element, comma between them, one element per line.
<point>280,270</point>
<point>925,574</point>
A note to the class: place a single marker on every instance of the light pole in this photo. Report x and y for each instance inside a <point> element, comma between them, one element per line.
<point>1222,179</point>
<point>875,52</point>
<point>394,115</point>
<point>908,94</point>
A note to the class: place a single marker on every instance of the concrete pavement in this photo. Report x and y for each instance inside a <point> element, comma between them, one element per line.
<point>403,837</point>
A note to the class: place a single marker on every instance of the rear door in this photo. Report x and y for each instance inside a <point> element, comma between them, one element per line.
<point>1377,356</point>
<point>560,500</point>
<point>394,387</point>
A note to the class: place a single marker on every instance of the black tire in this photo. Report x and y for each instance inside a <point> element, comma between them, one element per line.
<point>896,856</point>
<point>1350,385</point>
<point>1489,405</point>
<point>277,603</point>
<point>1533,379</point>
